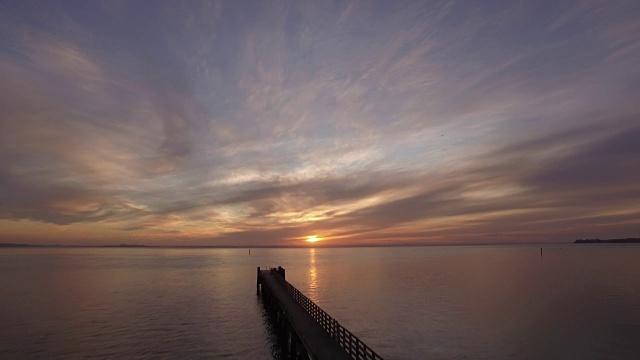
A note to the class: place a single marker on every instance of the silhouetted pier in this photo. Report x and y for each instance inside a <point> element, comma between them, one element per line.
<point>309,332</point>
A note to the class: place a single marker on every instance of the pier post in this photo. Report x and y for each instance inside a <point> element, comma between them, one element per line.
<point>258,282</point>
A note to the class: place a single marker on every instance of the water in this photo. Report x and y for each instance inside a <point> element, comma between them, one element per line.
<point>486,302</point>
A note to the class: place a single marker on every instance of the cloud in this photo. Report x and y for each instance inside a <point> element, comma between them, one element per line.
<point>602,169</point>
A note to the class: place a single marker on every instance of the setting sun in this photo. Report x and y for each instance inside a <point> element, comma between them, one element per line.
<point>312,238</point>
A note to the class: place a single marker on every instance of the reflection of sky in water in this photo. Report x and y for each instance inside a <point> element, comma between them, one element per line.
<point>313,276</point>
<point>173,303</point>
<point>484,302</point>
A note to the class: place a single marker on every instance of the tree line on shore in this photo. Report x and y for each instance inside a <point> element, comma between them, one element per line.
<point>597,241</point>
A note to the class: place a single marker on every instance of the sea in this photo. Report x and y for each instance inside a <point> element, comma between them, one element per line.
<point>567,301</point>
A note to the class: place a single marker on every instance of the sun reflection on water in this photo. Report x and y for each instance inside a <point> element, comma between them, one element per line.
<point>313,276</point>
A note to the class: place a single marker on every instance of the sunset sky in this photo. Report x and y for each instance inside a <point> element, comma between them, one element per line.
<point>383,122</point>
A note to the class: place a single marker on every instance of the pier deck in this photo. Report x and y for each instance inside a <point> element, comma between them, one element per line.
<point>309,331</point>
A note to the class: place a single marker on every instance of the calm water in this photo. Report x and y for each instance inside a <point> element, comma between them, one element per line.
<point>490,302</point>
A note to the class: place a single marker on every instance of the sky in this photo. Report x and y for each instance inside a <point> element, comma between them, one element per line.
<point>371,122</point>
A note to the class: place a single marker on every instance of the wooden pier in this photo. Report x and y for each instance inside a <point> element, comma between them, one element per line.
<point>308,331</point>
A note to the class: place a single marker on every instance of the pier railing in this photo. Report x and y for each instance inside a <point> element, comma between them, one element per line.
<point>357,349</point>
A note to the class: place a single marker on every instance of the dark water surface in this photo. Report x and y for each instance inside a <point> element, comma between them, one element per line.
<point>485,302</point>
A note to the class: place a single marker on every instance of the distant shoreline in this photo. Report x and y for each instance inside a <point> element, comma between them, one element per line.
<point>12,245</point>
<point>140,246</point>
<point>609,241</point>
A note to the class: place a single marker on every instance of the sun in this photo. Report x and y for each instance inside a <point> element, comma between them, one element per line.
<point>312,239</point>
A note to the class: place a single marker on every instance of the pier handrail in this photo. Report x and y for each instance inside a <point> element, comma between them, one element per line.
<point>357,349</point>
